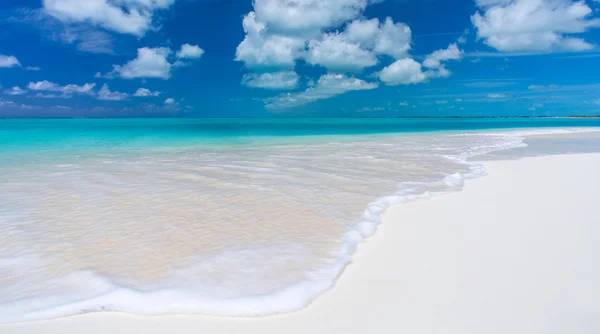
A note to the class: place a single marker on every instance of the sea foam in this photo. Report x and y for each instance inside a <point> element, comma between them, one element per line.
<point>239,231</point>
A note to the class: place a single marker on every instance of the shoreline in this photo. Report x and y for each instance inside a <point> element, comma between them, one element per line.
<point>371,289</point>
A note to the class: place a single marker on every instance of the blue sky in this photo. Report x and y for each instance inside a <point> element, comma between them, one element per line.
<point>299,58</point>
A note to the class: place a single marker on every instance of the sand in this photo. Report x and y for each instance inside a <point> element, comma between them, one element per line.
<point>515,252</point>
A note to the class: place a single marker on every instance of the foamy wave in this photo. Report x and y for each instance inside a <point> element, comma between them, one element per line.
<point>233,233</point>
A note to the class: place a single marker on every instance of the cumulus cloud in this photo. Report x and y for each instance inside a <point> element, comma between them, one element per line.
<point>435,59</point>
<point>170,101</point>
<point>359,45</point>
<point>363,31</point>
<point>44,85</point>
<point>336,53</point>
<point>351,50</point>
<point>393,39</point>
<point>403,72</point>
<point>327,86</point>
<point>16,90</point>
<point>123,16</point>
<point>152,63</point>
<point>277,80</point>
<point>149,63</point>
<point>262,49</point>
<point>8,61</point>
<point>307,16</point>
<point>534,25</point>
<point>188,51</point>
<point>280,32</point>
<point>106,94</point>
<point>66,91</point>
<point>332,34</point>
<point>144,92</point>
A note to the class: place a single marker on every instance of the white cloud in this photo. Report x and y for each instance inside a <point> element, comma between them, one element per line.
<point>149,63</point>
<point>403,72</point>
<point>496,96</point>
<point>393,39</point>
<point>44,85</point>
<point>85,89</point>
<point>278,32</point>
<point>67,91</point>
<point>105,94</point>
<point>170,101</point>
<point>188,51</point>
<point>16,90</point>
<point>32,68</point>
<point>328,33</point>
<point>387,38</point>
<point>8,61</point>
<point>359,44</point>
<point>327,86</point>
<point>124,16</point>
<point>441,72</point>
<point>534,25</point>
<point>153,63</point>
<point>307,16</point>
<point>351,50</point>
<point>144,92</point>
<point>262,49</point>
<point>435,59</point>
<point>363,31</point>
<point>336,53</point>
<point>277,80</point>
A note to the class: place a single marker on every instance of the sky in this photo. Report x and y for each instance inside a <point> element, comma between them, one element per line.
<point>299,58</point>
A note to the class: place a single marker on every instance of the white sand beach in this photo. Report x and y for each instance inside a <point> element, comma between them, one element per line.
<point>515,252</point>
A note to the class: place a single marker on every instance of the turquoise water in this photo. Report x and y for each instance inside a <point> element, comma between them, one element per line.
<point>221,217</point>
<point>65,134</point>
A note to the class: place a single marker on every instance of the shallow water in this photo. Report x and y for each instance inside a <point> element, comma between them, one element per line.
<point>234,227</point>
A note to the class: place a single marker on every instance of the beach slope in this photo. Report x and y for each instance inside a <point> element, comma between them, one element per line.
<point>515,252</point>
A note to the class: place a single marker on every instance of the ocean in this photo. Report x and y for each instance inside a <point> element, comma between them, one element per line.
<point>226,217</point>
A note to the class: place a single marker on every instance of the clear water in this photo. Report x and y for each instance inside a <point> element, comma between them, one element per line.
<point>221,217</point>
